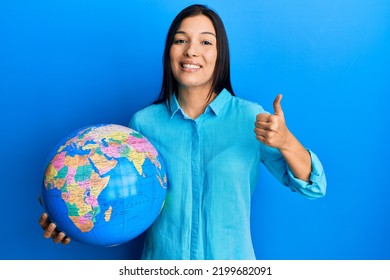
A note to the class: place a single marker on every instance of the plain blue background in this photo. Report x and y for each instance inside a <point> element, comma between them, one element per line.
<point>67,64</point>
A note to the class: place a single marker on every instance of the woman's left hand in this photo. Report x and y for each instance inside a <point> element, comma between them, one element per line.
<point>271,129</point>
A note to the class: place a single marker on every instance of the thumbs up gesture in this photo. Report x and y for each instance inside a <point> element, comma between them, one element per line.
<point>271,129</point>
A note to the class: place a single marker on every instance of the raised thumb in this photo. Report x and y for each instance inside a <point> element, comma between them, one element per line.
<point>277,107</point>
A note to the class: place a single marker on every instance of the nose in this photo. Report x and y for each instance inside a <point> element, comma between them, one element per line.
<point>191,51</point>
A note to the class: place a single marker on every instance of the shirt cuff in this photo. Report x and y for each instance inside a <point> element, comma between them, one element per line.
<point>316,187</point>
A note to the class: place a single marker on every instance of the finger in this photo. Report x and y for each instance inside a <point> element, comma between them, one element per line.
<point>266,133</point>
<point>263,125</point>
<point>50,230</point>
<point>43,220</point>
<point>263,117</point>
<point>270,125</point>
<point>266,138</point>
<point>262,139</point>
<point>261,134</point>
<point>260,131</point>
<point>59,237</point>
<point>277,107</point>
<point>66,240</point>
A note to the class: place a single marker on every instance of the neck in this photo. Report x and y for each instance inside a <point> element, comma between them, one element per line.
<point>194,102</point>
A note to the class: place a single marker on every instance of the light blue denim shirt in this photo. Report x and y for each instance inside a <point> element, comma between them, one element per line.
<point>212,167</point>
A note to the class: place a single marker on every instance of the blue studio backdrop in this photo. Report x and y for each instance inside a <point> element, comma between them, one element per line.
<point>68,64</point>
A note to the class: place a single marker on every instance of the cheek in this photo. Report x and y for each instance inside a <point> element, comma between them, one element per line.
<point>175,71</point>
<point>212,58</point>
<point>173,61</point>
<point>172,55</point>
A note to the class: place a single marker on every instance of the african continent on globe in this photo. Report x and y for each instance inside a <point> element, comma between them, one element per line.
<point>104,185</point>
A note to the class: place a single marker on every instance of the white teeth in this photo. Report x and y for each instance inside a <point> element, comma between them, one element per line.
<point>191,66</point>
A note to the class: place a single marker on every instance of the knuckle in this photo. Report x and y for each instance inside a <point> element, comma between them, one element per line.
<point>262,117</point>
<point>274,126</point>
<point>273,118</point>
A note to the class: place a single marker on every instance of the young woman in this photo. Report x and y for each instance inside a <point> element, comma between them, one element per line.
<point>212,143</point>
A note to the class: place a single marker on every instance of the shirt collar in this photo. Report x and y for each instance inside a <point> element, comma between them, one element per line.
<point>173,105</point>
<point>216,106</point>
<point>222,98</point>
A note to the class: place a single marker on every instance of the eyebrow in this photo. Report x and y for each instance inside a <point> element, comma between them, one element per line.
<point>205,32</point>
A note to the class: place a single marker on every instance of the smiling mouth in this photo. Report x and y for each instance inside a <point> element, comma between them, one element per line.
<point>190,66</point>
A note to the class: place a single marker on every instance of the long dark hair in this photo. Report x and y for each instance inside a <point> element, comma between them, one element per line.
<point>221,75</point>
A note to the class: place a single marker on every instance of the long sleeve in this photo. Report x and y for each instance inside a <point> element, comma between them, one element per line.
<point>275,163</point>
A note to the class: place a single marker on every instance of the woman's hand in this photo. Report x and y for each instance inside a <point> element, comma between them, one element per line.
<point>50,229</point>
<point>271,129</point>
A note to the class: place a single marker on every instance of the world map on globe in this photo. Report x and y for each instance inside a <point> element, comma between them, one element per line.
<point>104,184</point>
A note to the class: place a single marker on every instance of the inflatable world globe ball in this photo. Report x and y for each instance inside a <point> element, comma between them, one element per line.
<point>104,185</point>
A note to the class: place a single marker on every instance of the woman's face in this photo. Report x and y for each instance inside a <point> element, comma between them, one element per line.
<point>193,53</point>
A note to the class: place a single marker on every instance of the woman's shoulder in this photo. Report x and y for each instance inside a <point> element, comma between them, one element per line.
<point>148,114</point>
<point>151,109</point>
<point>247,105</point>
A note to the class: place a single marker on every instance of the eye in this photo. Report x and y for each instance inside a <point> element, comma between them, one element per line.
<point>207,43</point>
<point>179,41</point>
